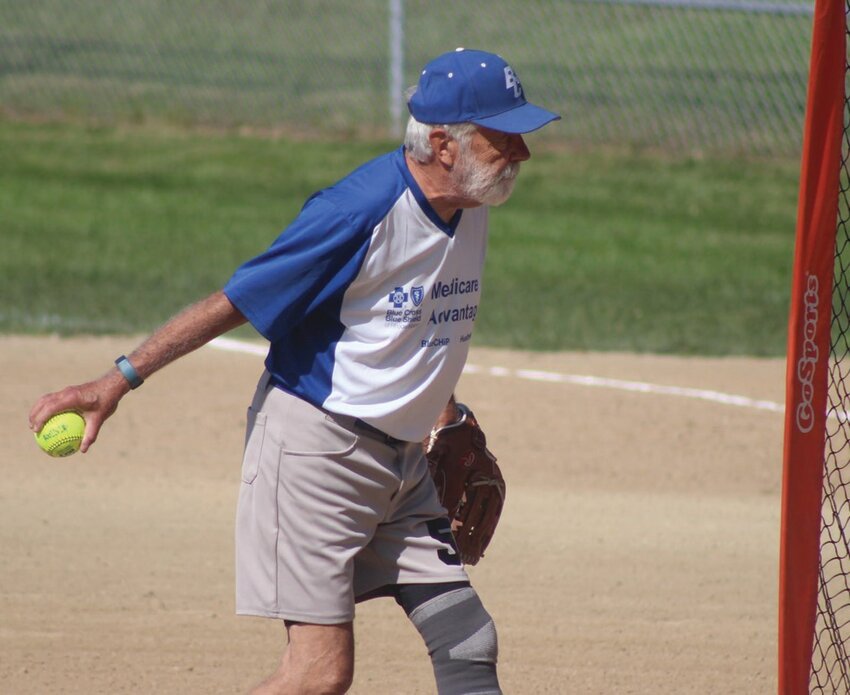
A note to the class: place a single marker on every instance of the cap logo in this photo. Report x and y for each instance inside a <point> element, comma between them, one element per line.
<point>511,82</point>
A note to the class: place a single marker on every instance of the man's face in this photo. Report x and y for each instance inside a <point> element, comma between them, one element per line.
<point>488,165</point>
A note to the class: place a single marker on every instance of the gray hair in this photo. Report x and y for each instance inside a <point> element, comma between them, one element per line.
<point>416,137</point>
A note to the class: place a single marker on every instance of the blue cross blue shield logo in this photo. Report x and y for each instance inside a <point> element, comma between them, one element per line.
<point>398,297</point>
<point>417,294</point>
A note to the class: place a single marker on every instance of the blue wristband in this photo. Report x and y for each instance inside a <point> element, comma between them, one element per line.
<point>129,372</point>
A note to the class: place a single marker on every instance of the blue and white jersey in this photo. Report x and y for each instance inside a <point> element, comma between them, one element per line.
<point>369,299</point>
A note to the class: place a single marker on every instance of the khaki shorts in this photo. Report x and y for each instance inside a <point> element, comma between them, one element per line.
<point>330,511</point>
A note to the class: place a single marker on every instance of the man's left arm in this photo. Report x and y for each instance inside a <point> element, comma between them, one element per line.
<point>449,415</point>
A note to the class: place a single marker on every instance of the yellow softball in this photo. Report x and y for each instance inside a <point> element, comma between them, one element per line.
<point>62,434</point>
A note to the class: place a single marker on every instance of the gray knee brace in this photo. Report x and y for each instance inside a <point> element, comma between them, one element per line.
<point>461,640</point>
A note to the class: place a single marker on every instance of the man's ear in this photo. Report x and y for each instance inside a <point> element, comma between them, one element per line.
<point>444,147</point>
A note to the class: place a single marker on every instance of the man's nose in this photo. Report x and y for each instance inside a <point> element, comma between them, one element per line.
<point>519,150</point>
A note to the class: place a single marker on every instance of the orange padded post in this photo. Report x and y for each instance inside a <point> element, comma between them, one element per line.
<point>808,349</point>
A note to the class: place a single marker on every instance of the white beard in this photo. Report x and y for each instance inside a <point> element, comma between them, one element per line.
<point>477,182</point>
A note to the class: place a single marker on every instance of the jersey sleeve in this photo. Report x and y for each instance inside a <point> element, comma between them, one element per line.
<point>312,261</point>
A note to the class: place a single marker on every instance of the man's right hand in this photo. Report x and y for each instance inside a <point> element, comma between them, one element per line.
<point>95,401</point>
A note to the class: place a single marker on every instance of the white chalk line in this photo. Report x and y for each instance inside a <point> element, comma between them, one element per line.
<point>633,386</point>
<point>231,345</point>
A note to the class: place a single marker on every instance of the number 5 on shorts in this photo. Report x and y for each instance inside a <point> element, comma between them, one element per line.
<point>441,530</point>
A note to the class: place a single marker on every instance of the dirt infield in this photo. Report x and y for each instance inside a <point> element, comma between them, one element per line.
<point>637,554</point>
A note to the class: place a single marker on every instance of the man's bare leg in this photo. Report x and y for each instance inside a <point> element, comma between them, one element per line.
<point>319,660</point>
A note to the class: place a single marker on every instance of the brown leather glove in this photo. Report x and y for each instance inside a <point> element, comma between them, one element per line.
<point>469,483</point>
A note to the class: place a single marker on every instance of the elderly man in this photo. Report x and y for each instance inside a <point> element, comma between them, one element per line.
<point>368,300</point>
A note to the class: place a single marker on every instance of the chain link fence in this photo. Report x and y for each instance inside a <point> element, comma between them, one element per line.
<point>683,75</point>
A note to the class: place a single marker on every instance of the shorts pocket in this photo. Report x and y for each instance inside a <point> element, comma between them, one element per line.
<point>254,439</point>
<point>321,436</point>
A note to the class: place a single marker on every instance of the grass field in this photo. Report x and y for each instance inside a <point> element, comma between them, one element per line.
<point>113,230</point>
<point>681,78</point>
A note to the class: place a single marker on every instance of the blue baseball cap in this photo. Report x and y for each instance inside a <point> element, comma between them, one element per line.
<point>468,86</point>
